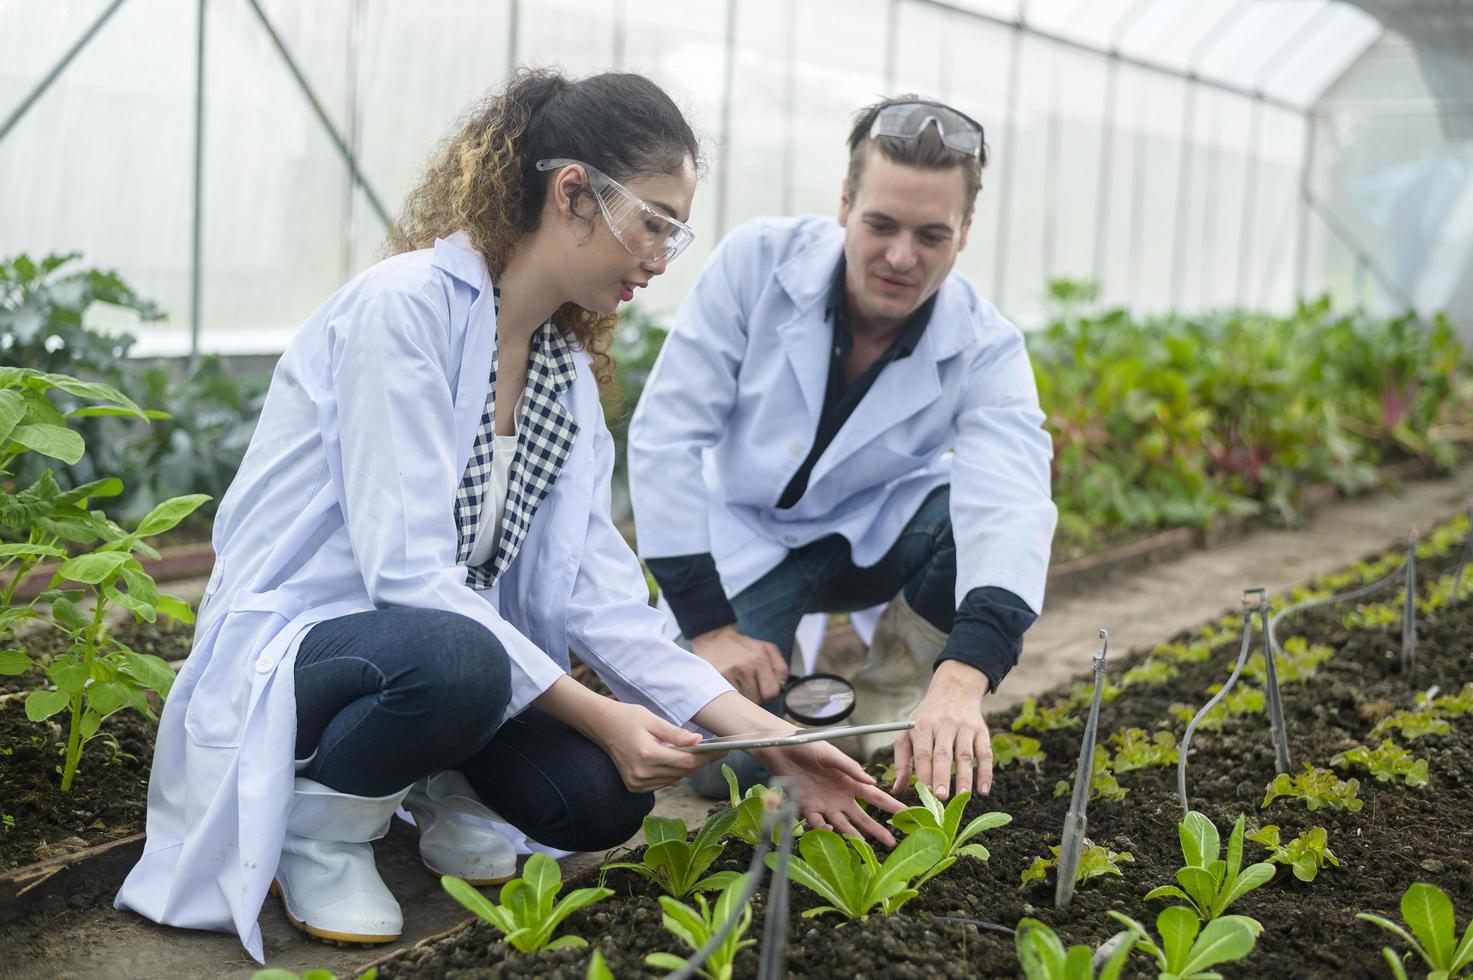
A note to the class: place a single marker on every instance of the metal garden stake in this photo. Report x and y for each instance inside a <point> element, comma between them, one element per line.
<point>1409,610</point>
<point>1277,731</point>
<point>1075,822</point>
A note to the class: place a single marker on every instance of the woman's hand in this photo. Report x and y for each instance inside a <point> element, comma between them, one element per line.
<point>829,782</point>
<point>634,738</point>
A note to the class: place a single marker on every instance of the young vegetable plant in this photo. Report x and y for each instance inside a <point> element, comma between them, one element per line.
<point>948,820</point>
<point>1243,699</point>
<point>1033,718</point>
<point>1388,762</point>
<point>1094,861</point>
<point>1150,673</point>
<point>747,825</point>
<point>1102,782</point>
<point>1210,883</point>
<point>1008,749</point>
<point>1316,788</point>
<point>696,926</point>
<point>1042,955</point>
<point>1428,911</point>
<point>1137,750</point>
<point>1295,664</point>
<point>1184,953</point>
<point>1305,854</point>
<point>527,916</point>
<point>1412,725</point>
<point>677,865</point>
<point>852,880</point>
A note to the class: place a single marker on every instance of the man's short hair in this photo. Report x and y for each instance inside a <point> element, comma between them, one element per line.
<point>926,151</point>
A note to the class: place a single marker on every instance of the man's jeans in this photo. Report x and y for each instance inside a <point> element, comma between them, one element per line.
<point>822,577</point>
<point>387,697</point>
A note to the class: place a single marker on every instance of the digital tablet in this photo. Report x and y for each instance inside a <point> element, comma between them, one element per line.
<point>763,740</point>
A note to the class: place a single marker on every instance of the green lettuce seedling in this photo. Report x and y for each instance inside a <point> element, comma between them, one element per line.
<point>1185,653</point>
<point>1305,854</point>
<point>527,916</point>
<point>1388,762</point>
<point>1297,663</point>
<point>1428,911</point>
<point>852,880</point>
<point>1094,861</point>
<point>677,865</point>
<point>948,820</point>
<point>1102,782</point>
<point>1008,749</point>
<point>1210,883</point>
<point>1414,724</point>
<point>696,926</point>
<point>1243,699</point>
<point>1042,955</point>
<point>1033,718</point>
<point>1453,705</point>
<point>751,808</point>
<point>1149,673</point>
<point>1183,953</point>
<point>1316,788</point>
<point>1137,750</point>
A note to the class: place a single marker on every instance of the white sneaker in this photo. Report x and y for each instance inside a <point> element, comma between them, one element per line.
<point>456,832</point>
<point>326,876</point>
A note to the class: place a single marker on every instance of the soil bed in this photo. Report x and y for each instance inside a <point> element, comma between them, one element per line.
<point>1402,835</point>
<point>109,795</point>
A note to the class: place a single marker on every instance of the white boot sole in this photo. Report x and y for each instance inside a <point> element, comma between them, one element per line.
<point>327,935</point>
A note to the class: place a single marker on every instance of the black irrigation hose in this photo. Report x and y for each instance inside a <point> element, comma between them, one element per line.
<point>1364,590</point>
<point>989,926</point>
<point>786,811</point>
<point>1186,739</point>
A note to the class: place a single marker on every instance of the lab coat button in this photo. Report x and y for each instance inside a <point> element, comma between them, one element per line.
<point>790,539</point>
<point>264,664</point>
<point>796,450</point>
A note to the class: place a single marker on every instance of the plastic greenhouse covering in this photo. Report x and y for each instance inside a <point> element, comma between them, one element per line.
<point>1184,154</point>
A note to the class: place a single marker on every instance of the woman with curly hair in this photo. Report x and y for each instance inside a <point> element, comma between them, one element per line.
<point>418,535</point>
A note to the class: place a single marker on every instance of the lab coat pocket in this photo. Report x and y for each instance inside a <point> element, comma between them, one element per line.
<point>221,698</point>
<point>880,465</point>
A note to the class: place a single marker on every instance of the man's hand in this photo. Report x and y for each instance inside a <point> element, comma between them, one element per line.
<point>949,728</point>
<point>753,667</point>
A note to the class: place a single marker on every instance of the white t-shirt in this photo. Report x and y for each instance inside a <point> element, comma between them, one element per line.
<point>493,505</point>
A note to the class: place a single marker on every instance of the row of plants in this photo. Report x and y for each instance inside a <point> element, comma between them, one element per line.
<point>1279,895</point>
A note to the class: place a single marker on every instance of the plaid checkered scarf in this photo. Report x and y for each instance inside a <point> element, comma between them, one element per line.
<point>545,434</point>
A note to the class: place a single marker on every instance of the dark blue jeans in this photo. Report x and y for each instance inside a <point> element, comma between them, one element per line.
<point>387,697</point>
<point>821,577</point>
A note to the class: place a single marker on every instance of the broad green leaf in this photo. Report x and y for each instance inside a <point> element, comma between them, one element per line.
<point>65,612</point>
<point>41,705</point>
<point>1463,955</point>
<point>106,698</point>
<point>545,878</point>
<point>830,859</point>
<point>975,851</point>
<point>668,962</point>
<point>31,551</point>
<point>1199,840</point>
<point>140,584</point>
<point>1235,852</point>
<point>1392,927</point>
<point>566,942</point>
<point>174,608</point>
<point>987,821</point>
<point>1252,877</point>
<point>12,410</point>
<point>657,829</point>
<point>1429,912</point>
<point>69,674</point>
<point>1040,952</point>
<point>477,903</point>
<point>1167,891</point>
<point>91,722</point>
<point>13,662</point>
<point>910,858</point>
<point>1200,885</point>
<point>109,487</point>
<point>599,970</point>
<point>1223,940</point>
<point>804,874</point>
<point>93,568</point>
<point>170,513</point>
<point>716,882</point>
<point>93,391</point>
<point>1079,964</point>
<point>137,606</point>
<point>1178,928</point>
<point>55,441</point>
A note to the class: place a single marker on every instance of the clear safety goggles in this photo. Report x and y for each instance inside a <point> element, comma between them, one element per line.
<point>647,232</point>
<point>908,120</point>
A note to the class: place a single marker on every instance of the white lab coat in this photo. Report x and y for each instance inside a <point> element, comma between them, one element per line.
<point>343,504</point>
<point>731,409</point>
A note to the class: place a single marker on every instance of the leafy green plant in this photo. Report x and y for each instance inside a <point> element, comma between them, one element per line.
<point>1095,861</point>
<point>1296,664</point>
<point>678,865</point>
<point>1042,955</point>
<point>1453,705</point>
<point>849,877</point>
<point>696,926</point>
<point>1058,716</point>
<point>1316,788</point>
<point>526,915</point>
<point>1102,782</point>
<point>1428,912</point>
<point>1412,725</point>
<point>1209,883</point>
<point>1008,749</point>
<point>1184,952</point>
<point>1243,699</point>
<point>1137,750</point>
<point>931,814</point>
<point>597,968</point>
<point>1305,854</point>
<point>1388,762</point>
<point>1188,653</point>
<point>750,810</point>
<point>1150,672</point>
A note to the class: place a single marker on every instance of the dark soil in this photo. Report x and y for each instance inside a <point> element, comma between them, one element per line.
<point>109,794</point>
<point>1402,835</point>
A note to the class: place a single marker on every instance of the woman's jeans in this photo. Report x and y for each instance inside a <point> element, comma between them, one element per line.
<point>387,697</point>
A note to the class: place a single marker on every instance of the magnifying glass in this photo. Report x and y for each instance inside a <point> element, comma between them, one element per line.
<point>816,699</point>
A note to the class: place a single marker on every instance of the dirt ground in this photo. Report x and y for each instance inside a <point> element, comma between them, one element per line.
<point>81,936</point>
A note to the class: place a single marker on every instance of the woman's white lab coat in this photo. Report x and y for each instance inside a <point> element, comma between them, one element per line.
<point>343,504</point>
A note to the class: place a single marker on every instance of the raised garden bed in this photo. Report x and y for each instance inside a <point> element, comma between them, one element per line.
<point>1401,835</point>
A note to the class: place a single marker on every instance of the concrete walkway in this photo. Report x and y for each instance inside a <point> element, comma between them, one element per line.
<point>1139,609</point>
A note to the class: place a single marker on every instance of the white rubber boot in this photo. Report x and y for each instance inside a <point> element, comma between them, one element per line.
<point>455,832</point>
<point>326,876</point>
<point>894,676</point>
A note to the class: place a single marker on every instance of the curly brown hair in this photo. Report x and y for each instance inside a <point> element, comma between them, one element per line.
<point>483,179</point>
